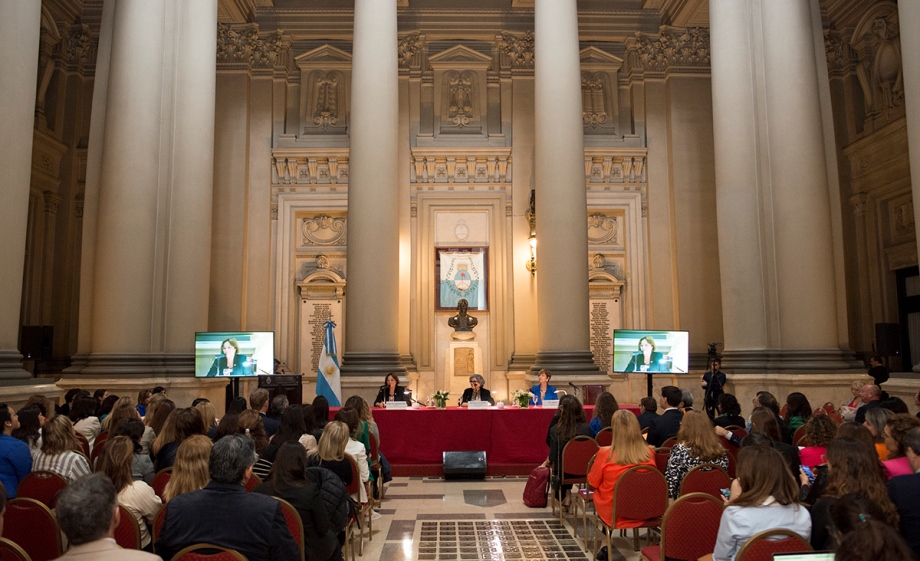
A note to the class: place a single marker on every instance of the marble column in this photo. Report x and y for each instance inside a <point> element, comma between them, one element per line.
<point>561,202</point>
<point>775,245</point>
<point>372,291</point>
<point>909,24</point>
<point>19,42</point>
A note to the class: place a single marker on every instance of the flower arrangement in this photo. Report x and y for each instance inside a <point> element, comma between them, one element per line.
<point>522,398</point>
<point>440,398</point>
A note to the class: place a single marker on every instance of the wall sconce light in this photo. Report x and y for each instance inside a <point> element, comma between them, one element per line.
<point>532,239</point>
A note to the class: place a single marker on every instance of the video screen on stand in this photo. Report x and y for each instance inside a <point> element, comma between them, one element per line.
<point>651,351</point>
<point>234,354</point>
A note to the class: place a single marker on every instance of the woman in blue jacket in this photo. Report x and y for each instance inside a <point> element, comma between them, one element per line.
<point>15,458</point>
<point>543,390</point>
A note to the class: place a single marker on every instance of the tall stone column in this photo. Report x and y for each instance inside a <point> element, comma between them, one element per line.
<point>19,41</point>
<point>372,292</point>
<point>775,246</point>
<point>561,202</point>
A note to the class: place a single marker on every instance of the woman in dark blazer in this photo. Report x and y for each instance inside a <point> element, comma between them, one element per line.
<point>476,391</point>
<point>391,391</point>
<point>230,362</point>
<point>646,359</point>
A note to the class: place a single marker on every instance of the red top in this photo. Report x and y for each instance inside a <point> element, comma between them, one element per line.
<point>812,456</point>
<point>603,478</point>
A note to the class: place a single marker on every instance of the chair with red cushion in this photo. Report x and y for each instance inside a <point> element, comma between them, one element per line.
<point>732,461</point>
<point>735,429</point>
<point>253,482</point>
<point>583,498</point>
<point>376,465</point>
<point>762,546</point>
<point>819,411</point>
<point>836,417</point>
<point>158,524</point>
<point>98,447</point>
<point>640,494</point>
<point>705,478</point>
<point>604,437</point>
<point>160,480</point>
<point>294,522</point>
<point>10,551</point>
<point>574,469</point>
<point>669,443</point>
<point>661,458</point>
<point>101,439</point>
<point>32,526</point>
<point>829,407</point>
<point>363,512</point>
<point>128,532</point>
<point>84,444</point>
<point>43,486</point>
<point>208,552</point>
<point>798,435</point>
<point>689,528</point>
<point>782,412</point>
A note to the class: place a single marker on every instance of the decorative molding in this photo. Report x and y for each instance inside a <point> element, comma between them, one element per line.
<point>76,46</point>
<point>902,217</point>
<point>51,200</point>
<point>615,165</point>
<point>78,205</point>
<point>454,165</point>
<point>409,46</point>
<point>602,229</point>
<point>671,47</point>
<point>877,43</point>
<point>517,50</point>
<point>299,166</point>
<point>324,230</point>
<point>859,202</point>
<point>837,52</point>
<point>244,44</point>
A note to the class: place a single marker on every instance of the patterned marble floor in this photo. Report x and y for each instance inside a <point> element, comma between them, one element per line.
<point>433,519</point>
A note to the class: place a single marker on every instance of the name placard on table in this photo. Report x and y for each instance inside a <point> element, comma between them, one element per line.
<point>395,405</point>
<point>478,404</point>
<point>550,404</point>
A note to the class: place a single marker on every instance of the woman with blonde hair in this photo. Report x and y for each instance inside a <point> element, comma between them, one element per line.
<point>157,412</point>
<point>61,451</point>
<point>136,496</point>
<point>208,417</point>
<point>123,409</point>
<point>696,445</point>
<point>190,472</point>
<point>330,451</point>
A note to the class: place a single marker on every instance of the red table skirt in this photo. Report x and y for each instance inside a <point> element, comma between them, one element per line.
<point>414,440</point>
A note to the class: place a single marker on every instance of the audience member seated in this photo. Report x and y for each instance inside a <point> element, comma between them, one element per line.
<point>543,390</point>
<point>83,416</point>
<point>143,398</point>
<point>863,535</point>
<point>252,425</point>
<point>763,497</point>
<point>87,512</point>
<point>321,412</point>
<point>124,409</point>
<point>69,398</point>
<point>291,429</point>
<point>686,400</point>
<point>696,444</point>
<point>278,404</point>
<point>894,404</point>
<point>158,412</point>
<point>136,496</point>
<point>15,457</point>
<point>875,422</point>
<point>476,392</point>
<point>61,451</point>
<point>627,449</point>
<point>142,466</point>
<point>237,406</point>
<point>355,449</point>
<point>798,410</point>
<point>604,408</point>
<point>310,426</point>
<point>768,400</point>
<point>848,409</point>
<point>896,429</point>
<point>859,433</point>
<point>391,391</point>
<point>904,491</point>
<point>729,412</point>
<point>105,408</point>
<point>667,424</point>
<point>31,420</point>
<point>648,410</point>
<point>362,434</point>
<point>366,415</point>
<point>852,468</point>
<point>819,431</point>
<point>208,417</point>
<point>289,481</point>
<point>330,451</point>
<point>190,472</point>
<point>764,421</point>
<point>182,424</point>
<point>571,423</point>
<point>224,514</point>
<point>229,424</point>
<point>870,395</point>
<point>258,401</point>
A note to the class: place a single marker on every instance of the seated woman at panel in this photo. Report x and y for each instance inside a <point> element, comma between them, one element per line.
<point>190,472</point>
<point>729,411</point>
<point>330,451</point>
<point>763,497</point>
<point>136,496</point>
<point>476,391</point>
<point>571,424</point>
<point>230,362</point>
<point>61,451</point>
<point>142,466</point>
<point>543,390</point>
<point>896,429</point>
<point>647,359</point>
<point>391,391</point>
<point>627,449</point>
<point>604,408</point>
<point>764,421</point>
<point>696,444</point>
<point>289,481</point>
<point>819,431</point>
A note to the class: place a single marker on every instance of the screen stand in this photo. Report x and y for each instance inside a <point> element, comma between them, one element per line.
<point>648,377</point>
<point>233,391</point>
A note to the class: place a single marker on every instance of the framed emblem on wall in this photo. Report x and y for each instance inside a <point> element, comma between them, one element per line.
<point>461,273</point>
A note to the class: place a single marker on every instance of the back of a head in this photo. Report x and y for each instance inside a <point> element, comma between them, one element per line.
<point>873,541</point>
<point>309,419</point>
<point>797,405</point>
<point>291,427</point>
<point>188,423</point>
<point>349,416</point>
<point>696,434</point>
<point>762,472</point>
<point>764,420</point>
<point>279,404</point>
<point>116,461</point>
<point>627,446</point>
<point>258,398</point>
<point>332,442</point>
<point>289,468</point>
<point>604,408</point>
<point>672,395</point>
<point>649,404</point>
<point>686,396</point>
<point>237,406</point>
<point>231,456</point>
<point>898,426</point>
<point>895,404</point>
<point>768,400</point>
<point>190,472</point>
<point>208,414</point>
<point>854,468</point>
<point>877,418</point>
<point>820,430</point>
<point>728,405</point>
<point>83,407</point>
<point>859,433</point>
<point>132,428</point>
<point>85,508</point>
<point>58,436</point>
<point>912,441</point>
<point>321,409</point>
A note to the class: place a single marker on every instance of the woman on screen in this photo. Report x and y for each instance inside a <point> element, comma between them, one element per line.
<point>647,359</point>
<point>230,362</point>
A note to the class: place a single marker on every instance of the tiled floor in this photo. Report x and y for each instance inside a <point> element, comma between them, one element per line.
<point>433,519</point>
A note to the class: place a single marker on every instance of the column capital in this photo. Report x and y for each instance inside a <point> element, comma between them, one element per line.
<point>244,46</point>
<point>858,201</point>
<point>673,48</point>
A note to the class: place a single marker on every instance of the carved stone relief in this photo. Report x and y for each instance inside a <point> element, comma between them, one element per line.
<point>324,230</point>
<point>594,110</point>
<point>325,84</point>
<point>460,92</point>
<point>672,47</point>
<point>242,43</point>
<point>902,218</point>
<point>602,229</point>
<point>877,42</point>
<point>409,46</point>
<point>517,50</point>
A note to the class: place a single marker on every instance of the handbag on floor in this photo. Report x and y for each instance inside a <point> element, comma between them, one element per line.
<point>535,490</point>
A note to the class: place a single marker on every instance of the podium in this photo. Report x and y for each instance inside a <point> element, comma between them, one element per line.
<point>289,385</point>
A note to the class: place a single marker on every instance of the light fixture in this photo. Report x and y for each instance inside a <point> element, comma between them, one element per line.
<point>532,239</point>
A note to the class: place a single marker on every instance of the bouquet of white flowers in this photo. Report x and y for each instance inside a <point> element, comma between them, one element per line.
<point>440,398</point>
<point>522,398</point>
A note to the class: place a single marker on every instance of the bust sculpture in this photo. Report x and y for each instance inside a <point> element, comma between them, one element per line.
<point>463,323</point>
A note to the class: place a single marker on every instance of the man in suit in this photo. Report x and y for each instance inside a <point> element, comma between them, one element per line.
<point>258,400</point>
<point>871,396</point>
<point>87,511</point>
<point>224,514</point>
<point>905,492</point>
<point>667,424</point>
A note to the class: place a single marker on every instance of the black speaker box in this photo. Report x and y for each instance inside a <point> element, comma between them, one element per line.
<point>465,465</point>
<point>887,339</point>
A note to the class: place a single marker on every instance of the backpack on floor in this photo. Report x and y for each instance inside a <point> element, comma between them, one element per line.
<point>535,490</point>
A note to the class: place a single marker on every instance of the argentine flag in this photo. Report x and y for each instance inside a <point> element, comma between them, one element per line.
<point>329,380</point>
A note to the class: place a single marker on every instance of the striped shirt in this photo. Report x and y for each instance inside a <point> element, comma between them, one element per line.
<point>68,465</point>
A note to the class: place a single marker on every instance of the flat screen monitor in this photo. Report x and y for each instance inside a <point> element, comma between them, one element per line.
<point>232,354</point>
<point>651,351</point>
